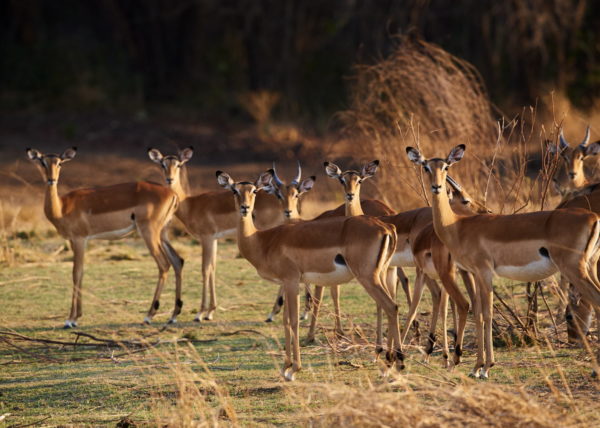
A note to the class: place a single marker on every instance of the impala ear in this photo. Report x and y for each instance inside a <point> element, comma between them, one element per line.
<point>369,169</point>
<point>456,154</point>
<point>33,154</point>
<point>186,154</point>
<point>592,149</point>
<point>307,184</point>
<point>68,154</point>
<point>264,180</point>
<point>224,180</point>
<point>415,156</point>
<point>332,170</point>
<point>270,188</point>
<point>155,155</point>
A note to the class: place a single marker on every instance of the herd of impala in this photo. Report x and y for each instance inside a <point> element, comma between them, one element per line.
<point>362,239</point>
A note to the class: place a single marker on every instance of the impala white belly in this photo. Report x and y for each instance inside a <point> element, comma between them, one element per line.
<point>403,258</point>
<point>429,269</point>
<point>114,234</point>
<point>534,271</point>
<point>339,275</point>
<point>225,233</point>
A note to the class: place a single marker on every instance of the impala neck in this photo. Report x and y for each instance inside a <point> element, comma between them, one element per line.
<point>579,181</point>
<point>247,238</point>
<point>52,203</point>
<point>444,218</point>
<point>353,207</point>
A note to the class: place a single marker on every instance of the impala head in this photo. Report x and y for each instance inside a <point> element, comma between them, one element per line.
<point>171,164</point>
<point>436,168</point>
<point>351,179</point>
<point>462,203</point>
<point>573,157</point>
<point>50,164</point>
<point>244,191</point>
<point>289,194</point>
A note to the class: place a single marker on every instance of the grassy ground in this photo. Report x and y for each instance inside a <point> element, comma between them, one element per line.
<point>226,370</point>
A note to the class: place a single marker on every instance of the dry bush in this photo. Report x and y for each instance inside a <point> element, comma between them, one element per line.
<point>423,96</point>
<point>259,105</point>
<point>422,402</point>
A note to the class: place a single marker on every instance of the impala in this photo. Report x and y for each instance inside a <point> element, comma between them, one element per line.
<point>574,157</point>
<point>110,212</point>
<point>207,217</point>
<point>289,198</point>
<point>326,252</point>
<point>523,247</point>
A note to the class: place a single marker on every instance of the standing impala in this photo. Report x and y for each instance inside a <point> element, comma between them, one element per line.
<point>327,252</point>
<point>110,212</point>
<point>523,247</point>
<point>207,216</point>
<point>289,198</point>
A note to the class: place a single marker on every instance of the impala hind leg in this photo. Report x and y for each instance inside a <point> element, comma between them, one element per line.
<point>177,263</point>
<point>478,319</point>
<point>436,298</point>
<point>209,261</point>
<point>403,280</point>
<point>487,309</point>
<point>414,304</point>
<point>78,247</point>
<point>335,297</point>
<point>277,305</point>
<point>307,302</point>
<point>317,299</point>
<point>444,316</point>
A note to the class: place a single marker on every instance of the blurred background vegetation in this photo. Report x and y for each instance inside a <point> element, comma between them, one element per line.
<point>215,59</point>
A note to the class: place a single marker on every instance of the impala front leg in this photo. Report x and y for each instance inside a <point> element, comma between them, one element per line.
<point>209,247</point>
<point>153,242</point>
<point>335,296</point>
<point>293,303</point>
<point>317,299</point>
<point>78,247</point>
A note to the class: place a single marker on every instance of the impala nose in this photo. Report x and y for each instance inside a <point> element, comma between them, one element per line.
<point>244,209</point>
<point>287,213</point>
<point>169,181</point>
<point>572,174</point>
<point>350,196</point>
<point>436,188</point>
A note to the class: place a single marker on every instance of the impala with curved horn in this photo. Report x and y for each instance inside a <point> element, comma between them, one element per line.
<point>289,198</point>
<point>523,247</point>
<point>574,157</point>
<point>207,217</point>
<point>328,251</point>
<point>110,212</point>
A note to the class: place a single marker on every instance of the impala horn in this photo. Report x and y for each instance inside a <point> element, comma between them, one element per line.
<point>586,139</point>
<point>296,180</point>
<point>278,182</point>
<point>563,142</point>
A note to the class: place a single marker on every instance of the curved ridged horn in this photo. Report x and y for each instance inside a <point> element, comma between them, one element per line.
<point>296,179</point>
<point>563,142</point>
<point>278,182</point>
<point>454,184</point>
<point>586,139</point>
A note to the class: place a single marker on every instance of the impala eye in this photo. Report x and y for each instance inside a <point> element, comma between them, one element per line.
<point>255,191</point>
<point>427,168</point>
<point>446,168</point>
<point>360,180</point>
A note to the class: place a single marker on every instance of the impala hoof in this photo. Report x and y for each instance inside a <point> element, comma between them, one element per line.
<point>289,375</point>
<point>172,321</point>
<point>304,316</point>
<point>147,320</point>
<point>269,318</point>
<point>70,324</point>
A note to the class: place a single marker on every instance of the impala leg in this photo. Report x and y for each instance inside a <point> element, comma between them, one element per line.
<point>414,304</point>
<point>208,243</point>
<point>379,333</point>
<point>277,305</point>
<point>213,283</point>
<point>462,306</point>
<point>444,315</point>
<point>78,247</point>
<point>317,299</point>
<point>177,263</point>
<point>153,242</point>
<point>478,318</point>
<point>487,308</point>
<point>403,279</point>
<point>435,291</point>
<point>335,296</point>
<point>293,303</point>
<point>307,302</point>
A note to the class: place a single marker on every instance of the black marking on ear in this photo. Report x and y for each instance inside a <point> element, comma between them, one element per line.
<point>544,252</point>
<point>132,216</point>
<point>280,300</point>
<point>179,303</point>
<point>458,351</point>
<point>156,305</point>
<point>339,259</point>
